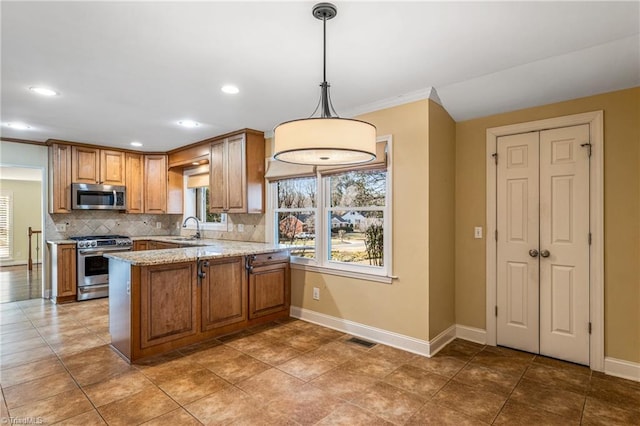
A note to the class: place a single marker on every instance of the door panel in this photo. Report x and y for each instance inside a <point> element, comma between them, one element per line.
<point>564,232</point>
<point>517,224</point>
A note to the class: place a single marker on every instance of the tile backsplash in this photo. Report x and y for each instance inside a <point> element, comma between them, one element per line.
<point>97,222</point>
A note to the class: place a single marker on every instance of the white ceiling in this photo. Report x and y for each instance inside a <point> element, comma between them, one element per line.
<point>129,70</point>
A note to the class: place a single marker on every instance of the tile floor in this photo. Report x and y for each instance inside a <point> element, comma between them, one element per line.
<point>57,367</point>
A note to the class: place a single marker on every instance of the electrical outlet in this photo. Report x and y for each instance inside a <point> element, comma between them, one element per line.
<point>61,227</point>
<point>159,225</point>
<point>316,293</point>
<point>477,232</point>
<point>240,227</point>
<point>229,227</point>
<point>177,225</point>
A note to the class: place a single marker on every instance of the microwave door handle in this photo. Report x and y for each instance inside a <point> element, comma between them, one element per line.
<point>115,199</point>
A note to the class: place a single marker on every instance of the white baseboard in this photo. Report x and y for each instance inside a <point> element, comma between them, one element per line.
<point>378,335</point>
<point>442,340</point>
<point>621,368</point>
<point>613,367</point>
<point>472,334</point>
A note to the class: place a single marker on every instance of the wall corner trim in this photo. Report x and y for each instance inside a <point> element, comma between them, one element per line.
<point>621,368</point>
<point>472,334</point>
<point>442,340</point>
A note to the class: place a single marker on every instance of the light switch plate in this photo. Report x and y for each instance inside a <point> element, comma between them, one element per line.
<point>477,232</point>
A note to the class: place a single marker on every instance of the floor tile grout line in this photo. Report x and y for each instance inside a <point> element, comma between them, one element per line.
<point>68,372</point>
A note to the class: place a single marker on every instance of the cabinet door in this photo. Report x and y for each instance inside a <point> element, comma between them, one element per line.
<point>112,167</point>
<point>224,293</point>
<point>66,270</point>
<point>85,165</point>
<point>217,176</point>
<point>60,178</point>
<point>168,303</point>
<point>140,245</point>
<point>155,184</point>
<point>134,175</point>
<point>269,290</point>
<point>236,175</point>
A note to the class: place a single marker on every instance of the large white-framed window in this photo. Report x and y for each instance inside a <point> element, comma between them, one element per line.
<point>6,225</point>
<point>338,220</point>
<point>196,200</point>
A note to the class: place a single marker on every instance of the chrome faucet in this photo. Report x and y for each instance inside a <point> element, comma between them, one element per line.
<point>184,225</point>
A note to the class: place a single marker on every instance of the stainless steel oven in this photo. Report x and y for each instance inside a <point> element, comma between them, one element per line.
<point>93,267</point>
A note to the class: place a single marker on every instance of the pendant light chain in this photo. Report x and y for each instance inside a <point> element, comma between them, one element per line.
<point>324,91</point>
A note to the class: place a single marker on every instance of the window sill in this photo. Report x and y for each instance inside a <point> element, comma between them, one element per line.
<point>342,273</point>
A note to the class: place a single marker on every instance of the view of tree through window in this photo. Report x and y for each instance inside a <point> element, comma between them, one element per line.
<point>296,215</point>
<point>356,217</point>
<point>352,219</point>
<point>202,206</point>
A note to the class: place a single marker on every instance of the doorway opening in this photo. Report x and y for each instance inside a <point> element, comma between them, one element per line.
<point>21,238</point>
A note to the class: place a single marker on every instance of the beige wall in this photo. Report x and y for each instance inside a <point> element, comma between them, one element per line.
<point>442,144</point>
<point>402,306</point>
<point>621,209</point>
<point>27,212</point>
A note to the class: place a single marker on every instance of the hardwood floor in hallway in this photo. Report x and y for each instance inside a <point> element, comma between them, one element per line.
<point>18,283</point>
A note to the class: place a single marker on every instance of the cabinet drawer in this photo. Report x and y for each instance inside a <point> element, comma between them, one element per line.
<point>268,258</point>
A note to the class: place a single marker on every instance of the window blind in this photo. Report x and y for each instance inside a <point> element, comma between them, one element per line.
<point>6,251</point>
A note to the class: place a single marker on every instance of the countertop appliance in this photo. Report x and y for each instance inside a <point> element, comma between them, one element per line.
<point>93,267</point>
<point>85,196</point>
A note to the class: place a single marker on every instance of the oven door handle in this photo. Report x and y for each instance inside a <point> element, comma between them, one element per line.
<point>101,252</point>
<point>92,288</point>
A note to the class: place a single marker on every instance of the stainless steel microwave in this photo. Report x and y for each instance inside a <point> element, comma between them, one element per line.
<point>86,196</point>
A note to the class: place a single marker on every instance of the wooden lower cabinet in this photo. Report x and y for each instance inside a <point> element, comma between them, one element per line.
<point>269,288</point>
<point>224,292</point>
<point>141,245</point>
<point>63,272</point>
<point>168,303</point>
<point>159,308</point>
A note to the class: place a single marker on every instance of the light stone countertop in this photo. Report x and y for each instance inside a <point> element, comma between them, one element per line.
<point>204,249</point>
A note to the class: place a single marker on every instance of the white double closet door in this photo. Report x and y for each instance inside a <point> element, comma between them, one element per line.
<point>543,242</point>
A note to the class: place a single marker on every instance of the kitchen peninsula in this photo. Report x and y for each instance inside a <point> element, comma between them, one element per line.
<point>161,300</point>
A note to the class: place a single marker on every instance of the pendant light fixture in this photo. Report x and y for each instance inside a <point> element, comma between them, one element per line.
<point>327,139</point>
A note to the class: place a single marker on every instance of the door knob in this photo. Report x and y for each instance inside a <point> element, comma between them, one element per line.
<point>533,253</point>
<point>545,253</point>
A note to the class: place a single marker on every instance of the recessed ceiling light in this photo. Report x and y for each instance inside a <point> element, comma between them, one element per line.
<point>136,144</point>
<point>43,91</point>
<point>18,126</point>
<point>230,89</point>
<point>188,123</point>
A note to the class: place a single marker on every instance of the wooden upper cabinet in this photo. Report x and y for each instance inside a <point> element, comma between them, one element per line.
<point>217,178</point>
<point>155,183</point>
<point>112,167</point>
<point>236,171</point>
<point>134,165</point>
<point>59,178</point>
<point>93,165</point>
<point>85,164</point>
